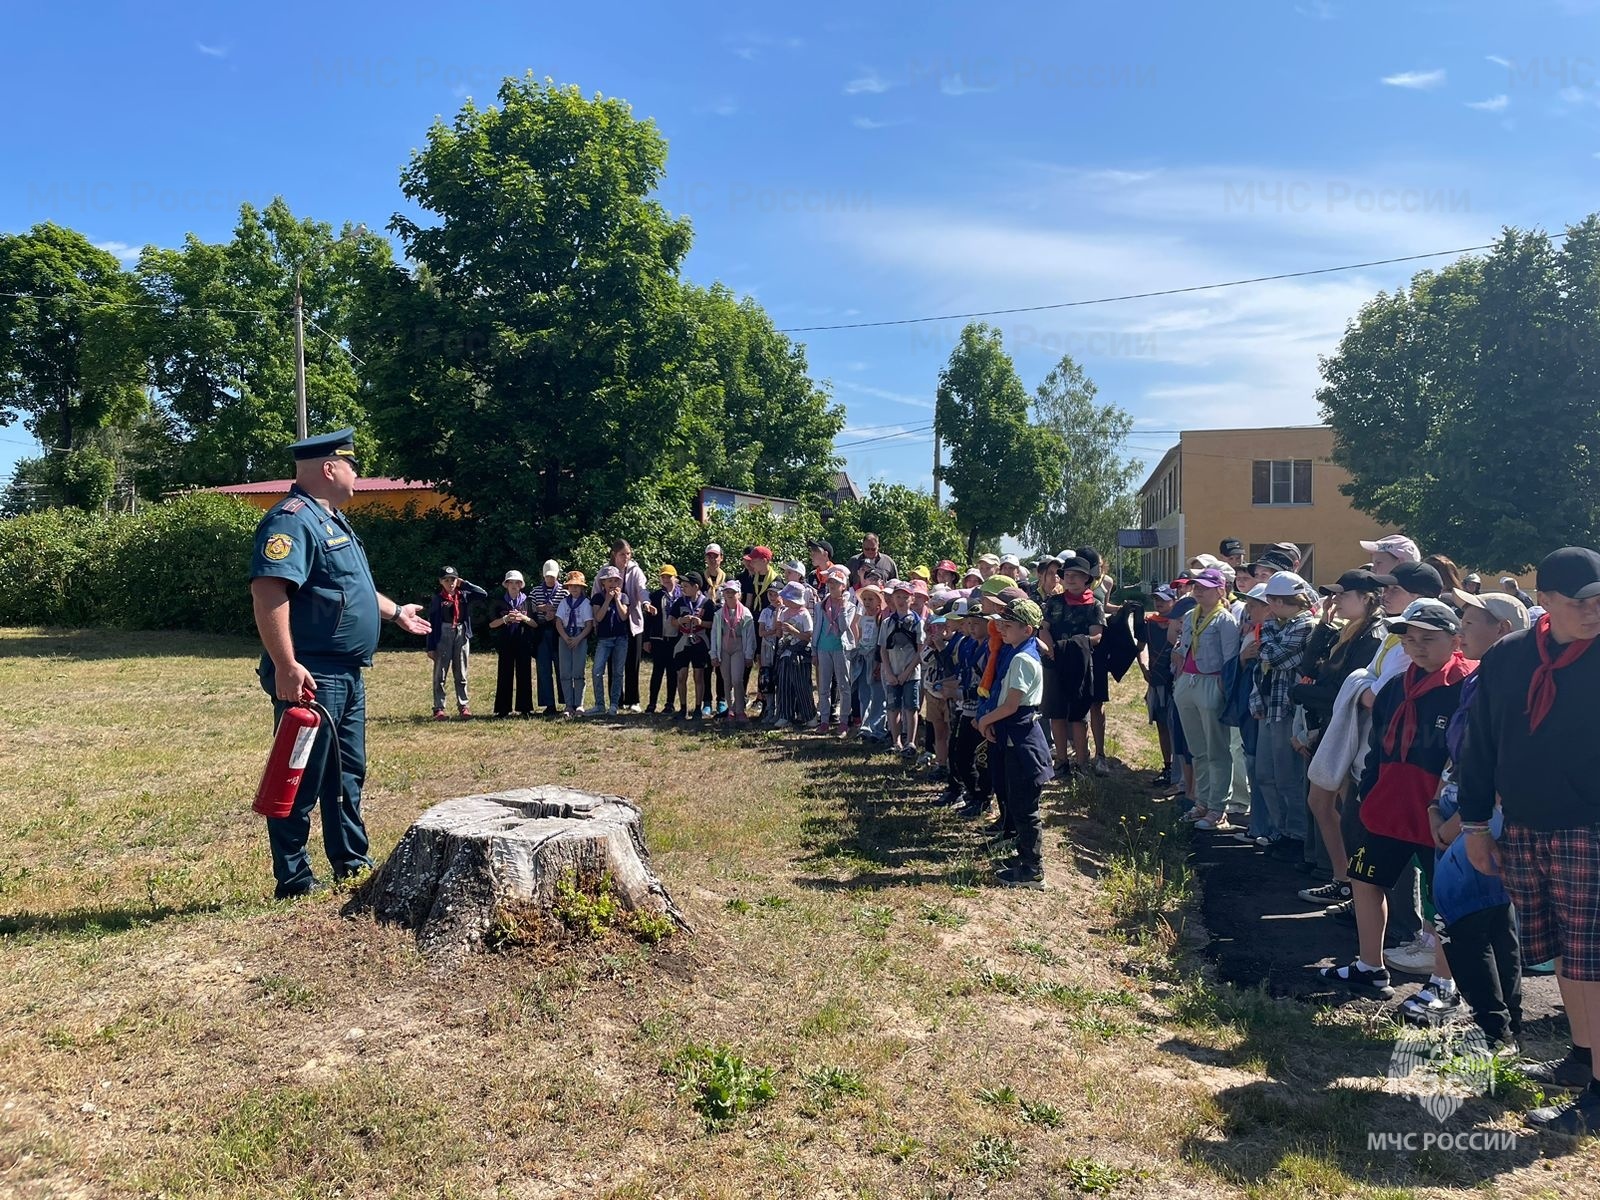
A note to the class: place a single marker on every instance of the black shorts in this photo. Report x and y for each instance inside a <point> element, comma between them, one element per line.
<point>1378,859</point>
<point>1101,672</point>
<point>696,655</point>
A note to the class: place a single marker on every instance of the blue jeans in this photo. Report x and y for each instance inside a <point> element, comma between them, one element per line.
<point>332,780</point>
<point>615,651</point>
<point>1281,773</point>
<point>868,693</point>
<point>570,666</point>
<point>832,678</point>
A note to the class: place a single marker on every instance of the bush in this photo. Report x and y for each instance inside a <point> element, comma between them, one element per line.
<point>42,558</point>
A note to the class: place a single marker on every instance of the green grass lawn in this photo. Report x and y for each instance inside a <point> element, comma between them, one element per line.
<point>858,1012</point>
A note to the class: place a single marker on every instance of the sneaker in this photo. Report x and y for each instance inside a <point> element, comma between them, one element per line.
<point>1101,767</point>
<point>1163,779</point>
<point>1576,1118</point>
<point>466,714</point>
<point>575,713</point>
<point>438,715</point>
<point>909,752</point>
<point>1565,1072</point>
<point>1262,843</point>
<point>973,810</point>
<point>1209,821</point>
<point>1433,1005</point>
<point>1415,957</point>
<point>1359,980</point>
<point>1197,813</point>
<point>597,710</point>
<point>1289,850</point>
<point>1344,912</point>
<point>722,708</point>
<point>1021,877</point>
<point>612,711</point>
<point>780,723</point>
<point>1064,772</point>
<point>844,732</point>
<point>1328,893</point>
<point>637,710</point>
<point>1242,834</point>
<point>951,793</point>
<point>650,709</point>
<point>550,710</point>
<point>823,728</point>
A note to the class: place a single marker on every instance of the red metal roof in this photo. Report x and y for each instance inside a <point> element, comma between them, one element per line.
<point>271,487</point>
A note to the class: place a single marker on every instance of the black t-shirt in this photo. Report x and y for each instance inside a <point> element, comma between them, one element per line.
<point>698,607</point>
<point>1065,620</point>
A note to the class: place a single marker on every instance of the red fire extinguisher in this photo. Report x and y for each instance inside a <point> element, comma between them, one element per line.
<point>291,750</point>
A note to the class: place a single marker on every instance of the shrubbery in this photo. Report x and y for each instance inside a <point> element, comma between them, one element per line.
<point>183,564</point>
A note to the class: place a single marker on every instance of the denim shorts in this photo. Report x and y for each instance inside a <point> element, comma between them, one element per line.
<point>907,696</point>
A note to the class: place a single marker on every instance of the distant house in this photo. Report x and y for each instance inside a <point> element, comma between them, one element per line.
<point>728,500</point>
<point>1260,486</point>
<point>844,488</point>
<point>371,494</point>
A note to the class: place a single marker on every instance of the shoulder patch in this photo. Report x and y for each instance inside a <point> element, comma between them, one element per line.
<point>278,547</point>
<point>293,505</point>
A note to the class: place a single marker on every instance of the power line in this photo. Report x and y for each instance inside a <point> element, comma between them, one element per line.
<point>193,308</point>
<point>885,437</point>
<point>1176,291</point>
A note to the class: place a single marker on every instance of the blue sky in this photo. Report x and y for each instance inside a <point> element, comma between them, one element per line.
<point>845,165</point>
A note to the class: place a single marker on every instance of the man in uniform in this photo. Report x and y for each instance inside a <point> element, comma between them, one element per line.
<point>317,611</point>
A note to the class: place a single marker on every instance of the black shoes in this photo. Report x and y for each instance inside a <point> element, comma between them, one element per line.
<point>1566,1072</point>
<point>1360,981</point>
<point>1018,876</point>
<point>1578,1117</point>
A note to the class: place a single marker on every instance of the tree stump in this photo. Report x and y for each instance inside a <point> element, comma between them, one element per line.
<point>467,861</point>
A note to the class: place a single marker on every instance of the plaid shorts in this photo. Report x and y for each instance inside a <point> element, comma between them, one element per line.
<point>1553,879</point>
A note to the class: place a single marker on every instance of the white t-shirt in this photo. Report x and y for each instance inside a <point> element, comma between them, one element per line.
<point>574,617</point>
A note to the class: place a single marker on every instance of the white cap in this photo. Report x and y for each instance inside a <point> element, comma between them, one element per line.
<point>551,569</point>
<point>1201,561</point>
<point>989,560</point>
<point>1286,583</point>
<point>513,576</point>
<point>714,549</point>
<point>1395,545</point>
<point>1010,560</point>
<point>1259,592</point>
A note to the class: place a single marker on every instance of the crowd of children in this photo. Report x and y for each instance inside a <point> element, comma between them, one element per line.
<point>1341,729</point>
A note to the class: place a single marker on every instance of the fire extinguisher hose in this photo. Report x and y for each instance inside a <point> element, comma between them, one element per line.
<point>333,738</point>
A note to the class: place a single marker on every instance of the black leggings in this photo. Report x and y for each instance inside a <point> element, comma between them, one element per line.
<point>1486,961</point>
<point>661,668</point>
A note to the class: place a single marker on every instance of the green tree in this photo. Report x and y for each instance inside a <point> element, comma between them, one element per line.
<point>1093,495</point>
<point>220,339</point>
<point>1000,464</point>
<point>536,361</point>
<point>1463,406</point>
<point>68,364</point>
<point>911,528</point>
<point>755,421</point>
<point>28,490</point>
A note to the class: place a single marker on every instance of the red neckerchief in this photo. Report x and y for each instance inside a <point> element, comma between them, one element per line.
<point>1542,688</point>
<point>1082,598</point>
<point>1403,725</point>
<point>453,599</point>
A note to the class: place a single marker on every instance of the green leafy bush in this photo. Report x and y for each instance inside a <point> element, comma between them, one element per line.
<point>720,1084</point>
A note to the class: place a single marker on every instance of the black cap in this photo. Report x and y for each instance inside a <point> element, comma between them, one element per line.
<point>1573,572</point>
<point>1271,562</point>
<point>1230,546</point>
<point>449,573</point>
<point>1353,581</point>
<point>1417,578</point>
<point>1090,556</point>
<point>819,544</point>
<point>695,578</point>
<point>1047,562</point>
<point>1284,550</point>
<point>1077,563</point>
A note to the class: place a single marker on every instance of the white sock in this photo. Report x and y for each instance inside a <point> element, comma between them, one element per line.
<point>1363,965</point>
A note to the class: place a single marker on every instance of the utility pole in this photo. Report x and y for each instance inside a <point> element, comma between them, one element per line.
<point>936,459</point>
<point>299,363</point>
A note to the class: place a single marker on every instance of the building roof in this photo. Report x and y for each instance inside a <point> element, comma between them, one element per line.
<point>269,487</point>
<point>844,486</point>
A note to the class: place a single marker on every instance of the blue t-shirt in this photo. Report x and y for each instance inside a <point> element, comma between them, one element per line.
<point>1459,888</point>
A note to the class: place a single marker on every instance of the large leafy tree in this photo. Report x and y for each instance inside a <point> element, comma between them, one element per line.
<point>755,421</point>
<point>1093,496</point>
<point>999,463</point>
<point>1465,407</point>
<point>220,339</point>
<point>535,361</point>
<point>911,528</point>
<point>68,363</point>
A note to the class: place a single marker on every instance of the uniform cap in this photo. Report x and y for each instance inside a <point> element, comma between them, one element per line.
<point>341,443</point>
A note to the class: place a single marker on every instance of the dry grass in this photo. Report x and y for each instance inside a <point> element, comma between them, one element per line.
<point>165,1029</point>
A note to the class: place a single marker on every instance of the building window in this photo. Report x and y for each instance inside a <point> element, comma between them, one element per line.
<point>1281,481</point>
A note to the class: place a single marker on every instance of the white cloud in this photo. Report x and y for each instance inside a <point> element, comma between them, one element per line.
<point>869,82</point>
<point>1493,104</point>
<point>1416,80</point>
<point>874,123</point>
<point>1317,10</point>
<point>122,250</point>
<point>1497,60</point>
<point>1117,178</point>
<point>878,393</point>
<point>750,46</point>
<point>955,85</point>
<point>212,51</point>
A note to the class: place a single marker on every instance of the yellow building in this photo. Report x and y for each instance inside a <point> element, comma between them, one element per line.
<point>371,493</point>
<point>1260,486</point>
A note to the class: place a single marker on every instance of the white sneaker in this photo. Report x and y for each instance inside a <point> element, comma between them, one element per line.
<point>1415,957</point>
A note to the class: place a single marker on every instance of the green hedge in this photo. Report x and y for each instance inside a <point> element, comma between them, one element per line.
<point>184,564</point>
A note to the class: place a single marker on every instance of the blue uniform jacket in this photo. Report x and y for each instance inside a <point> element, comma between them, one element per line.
<point>333,602</point>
